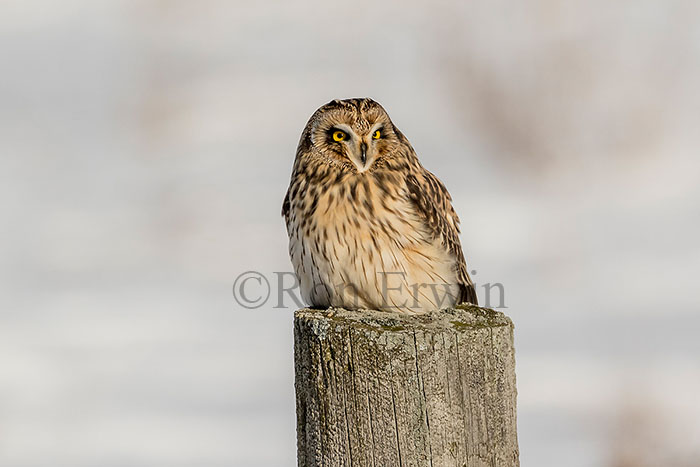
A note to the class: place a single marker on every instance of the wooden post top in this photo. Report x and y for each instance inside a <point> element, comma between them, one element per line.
<point>459,318</point>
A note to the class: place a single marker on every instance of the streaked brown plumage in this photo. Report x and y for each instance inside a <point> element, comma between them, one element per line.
<point>368,226</point>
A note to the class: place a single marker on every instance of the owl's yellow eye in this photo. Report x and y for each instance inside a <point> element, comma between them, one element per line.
<point>377,134</point>
<point>339,136</point>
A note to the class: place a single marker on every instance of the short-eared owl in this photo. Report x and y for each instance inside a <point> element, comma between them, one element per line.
<point>368,226</point>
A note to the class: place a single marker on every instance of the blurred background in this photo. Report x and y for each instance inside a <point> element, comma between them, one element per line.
<point>146,148</point>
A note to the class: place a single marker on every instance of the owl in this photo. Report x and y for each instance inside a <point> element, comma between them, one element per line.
<point>368,226</point>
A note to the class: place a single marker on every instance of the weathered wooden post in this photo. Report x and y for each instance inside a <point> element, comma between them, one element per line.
<point>386,389</point>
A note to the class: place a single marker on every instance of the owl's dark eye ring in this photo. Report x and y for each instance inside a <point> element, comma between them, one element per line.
<point>339,136</point>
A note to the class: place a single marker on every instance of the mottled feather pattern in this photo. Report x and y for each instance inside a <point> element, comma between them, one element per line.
<point>436,207</point>
<point>368,226</point>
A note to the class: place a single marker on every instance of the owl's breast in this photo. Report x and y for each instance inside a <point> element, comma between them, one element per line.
<point>360,243</point>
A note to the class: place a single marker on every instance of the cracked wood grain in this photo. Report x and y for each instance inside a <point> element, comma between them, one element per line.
<point>381,389</point>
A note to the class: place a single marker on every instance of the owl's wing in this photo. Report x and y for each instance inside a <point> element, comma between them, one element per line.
<point>285,205</point>
<point>434,205</point>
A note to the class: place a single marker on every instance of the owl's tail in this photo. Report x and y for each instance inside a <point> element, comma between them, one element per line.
<point>468,294</point>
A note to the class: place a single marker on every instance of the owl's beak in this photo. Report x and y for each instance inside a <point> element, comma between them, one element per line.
<point>359,157</point>
<point>363,153</point>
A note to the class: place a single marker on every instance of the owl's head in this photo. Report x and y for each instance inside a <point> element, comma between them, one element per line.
<point>353,134</point>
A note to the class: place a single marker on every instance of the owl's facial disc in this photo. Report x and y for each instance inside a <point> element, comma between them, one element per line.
<point>361,150</point>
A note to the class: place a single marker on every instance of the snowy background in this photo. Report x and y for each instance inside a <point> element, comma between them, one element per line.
<point>146,148</point>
